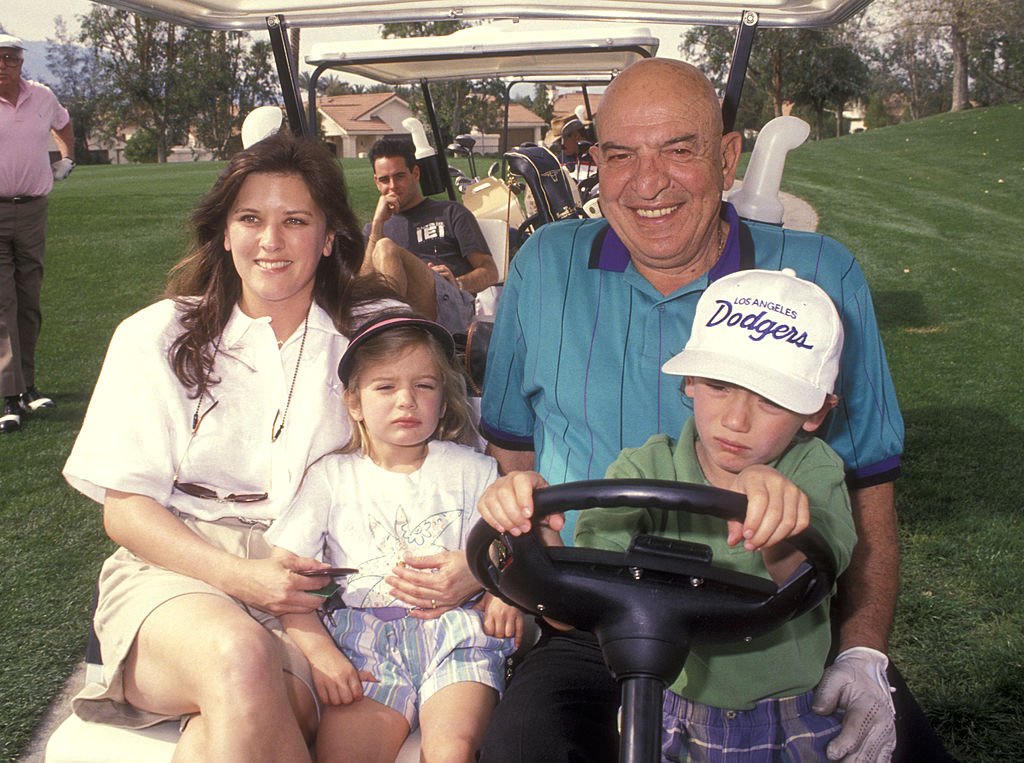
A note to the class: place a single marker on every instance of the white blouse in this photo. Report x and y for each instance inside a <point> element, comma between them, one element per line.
<point>137,432</point>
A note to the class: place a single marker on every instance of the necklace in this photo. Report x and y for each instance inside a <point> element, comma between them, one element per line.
<point>276,429</point>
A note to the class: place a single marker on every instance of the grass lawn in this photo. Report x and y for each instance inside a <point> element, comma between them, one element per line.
<point>932,210</point>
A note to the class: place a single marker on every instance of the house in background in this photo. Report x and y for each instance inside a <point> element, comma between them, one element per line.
<point>523,126</point>
<point>111,151</point>
<point>352,122</point>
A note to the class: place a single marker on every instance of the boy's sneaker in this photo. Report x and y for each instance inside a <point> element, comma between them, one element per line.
<point>10,416</point>
<point>33,400</point>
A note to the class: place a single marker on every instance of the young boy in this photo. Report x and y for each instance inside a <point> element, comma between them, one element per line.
<point>760,366</point>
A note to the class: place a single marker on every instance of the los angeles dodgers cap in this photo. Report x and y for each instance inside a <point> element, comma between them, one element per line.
<point>768,331</point>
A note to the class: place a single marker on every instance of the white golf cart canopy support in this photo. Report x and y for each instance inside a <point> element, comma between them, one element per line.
<point>252,14</point>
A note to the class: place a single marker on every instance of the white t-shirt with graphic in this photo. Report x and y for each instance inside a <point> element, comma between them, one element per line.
<point>352,513</point>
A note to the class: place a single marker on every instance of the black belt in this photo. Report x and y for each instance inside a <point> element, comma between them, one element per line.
<point>18,199</point>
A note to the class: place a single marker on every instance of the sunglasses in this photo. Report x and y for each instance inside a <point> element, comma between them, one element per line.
<point>201,491</point>
<point>10,59</point>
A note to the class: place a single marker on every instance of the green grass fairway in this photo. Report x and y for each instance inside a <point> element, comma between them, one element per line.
<point>932,210</point>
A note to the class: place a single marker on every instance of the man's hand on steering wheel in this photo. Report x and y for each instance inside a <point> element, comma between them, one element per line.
<point>507,505</point>
<point>856,684</point>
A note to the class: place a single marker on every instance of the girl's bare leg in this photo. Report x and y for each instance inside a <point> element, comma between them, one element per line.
<point>363,732</point>
<point>453,722</point>
<point>202,654</point>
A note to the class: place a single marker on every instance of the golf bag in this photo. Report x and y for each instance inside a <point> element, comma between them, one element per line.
<point>552,189</point>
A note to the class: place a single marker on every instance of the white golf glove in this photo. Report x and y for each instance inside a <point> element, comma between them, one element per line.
<point>62,168</point>
<point>856,685</point>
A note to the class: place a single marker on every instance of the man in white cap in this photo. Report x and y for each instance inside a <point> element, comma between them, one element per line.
<point>29,114</point>
<point>568,144</point>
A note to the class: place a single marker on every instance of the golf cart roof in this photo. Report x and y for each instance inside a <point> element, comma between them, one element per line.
<point>252,14</point>
<point>492,50</point>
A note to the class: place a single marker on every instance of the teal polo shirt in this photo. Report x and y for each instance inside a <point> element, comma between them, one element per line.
<point>574,365</point>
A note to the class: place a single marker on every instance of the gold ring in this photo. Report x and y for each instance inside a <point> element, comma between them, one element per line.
<point>433,603</point>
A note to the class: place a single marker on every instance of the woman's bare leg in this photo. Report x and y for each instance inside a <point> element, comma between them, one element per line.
<point>202,654</point>
<point>453,722</point>
<point>363,732</point>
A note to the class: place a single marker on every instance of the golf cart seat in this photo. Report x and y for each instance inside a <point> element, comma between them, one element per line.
<point>499,240</point>
<point>80,741</point>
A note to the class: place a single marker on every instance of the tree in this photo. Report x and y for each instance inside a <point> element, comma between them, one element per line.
<point>771,71</point>
<point>80,87</point>
<point>330,84</point>
<point>973,27</point>
<point>915,65</point>
<point>141,148</point>
<point>238,78</point>
<point>169,79</point>
<point>829,75</point>
<point>142,58</point>
<point>997,59</point>
<point>876,114</point>
<point>540,103</point>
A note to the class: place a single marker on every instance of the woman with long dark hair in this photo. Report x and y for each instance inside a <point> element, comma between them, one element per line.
<point>210,406</point>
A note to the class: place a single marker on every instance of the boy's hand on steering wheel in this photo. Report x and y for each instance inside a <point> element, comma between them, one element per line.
<point>776,509</point>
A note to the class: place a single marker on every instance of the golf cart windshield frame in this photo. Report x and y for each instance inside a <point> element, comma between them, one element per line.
<point>470,54</point>
<point>747,15</point>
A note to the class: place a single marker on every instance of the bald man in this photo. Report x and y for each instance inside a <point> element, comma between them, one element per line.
<point>590,312</point>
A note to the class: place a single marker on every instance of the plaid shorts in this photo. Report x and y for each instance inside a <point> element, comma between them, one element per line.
<point>413,659</point>
<point>775,731</point>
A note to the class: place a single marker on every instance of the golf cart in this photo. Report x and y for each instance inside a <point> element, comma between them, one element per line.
<point>77,740</point>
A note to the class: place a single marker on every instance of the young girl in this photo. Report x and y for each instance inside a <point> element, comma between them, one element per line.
<point>403,485</point>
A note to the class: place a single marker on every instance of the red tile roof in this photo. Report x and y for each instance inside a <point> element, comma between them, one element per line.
<point>354,112</point>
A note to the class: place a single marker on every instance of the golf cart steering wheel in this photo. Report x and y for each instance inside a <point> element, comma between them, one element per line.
<point>649,605</point>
